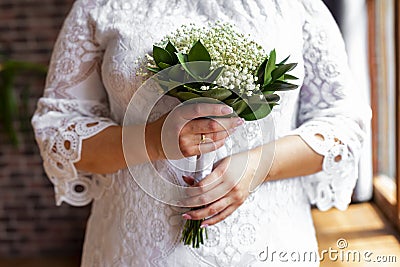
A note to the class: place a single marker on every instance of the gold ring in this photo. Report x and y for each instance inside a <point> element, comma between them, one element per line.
<point>203,138</point>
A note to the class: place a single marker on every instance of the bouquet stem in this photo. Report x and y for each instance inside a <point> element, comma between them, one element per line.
<point>192,233</point>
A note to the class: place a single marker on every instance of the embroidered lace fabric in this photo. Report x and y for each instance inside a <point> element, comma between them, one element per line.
<point>92,78</point>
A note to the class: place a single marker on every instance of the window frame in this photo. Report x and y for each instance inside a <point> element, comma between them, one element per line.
<point>386,189</point>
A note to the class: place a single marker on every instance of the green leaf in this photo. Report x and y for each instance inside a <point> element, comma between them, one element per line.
<point>279,86</point>
<point>196,70</point>
<point>168,84</point>
<point>173,92</point>
<point>200,70</point>
<point>9,105</point>
<point>281,70</point>
<point>267,98</point>
<point>193,89</point>
<point>256,113</point>
<point>281,78</point>
<point>176,73</point>
<point>198,53</point>
<point>256,99</point>
<point>215,74</point>
<point>163,65</point>
<point>270,67</point>
<point>161,55</point>
<point>183,59</point>
<point>23,66</point>
<point>230,101</point>
<point>261,69</point>
<point>184,96</point>
<point>217,93</point>
<point>284,61</point>
<point>200,99</point>
<point>272,105</point>
<point>9,109</point>
<point>155,70</point>
<point>172,51</point>
<point>289,77</point>
<point>239,106</point>
<point>270,98</point>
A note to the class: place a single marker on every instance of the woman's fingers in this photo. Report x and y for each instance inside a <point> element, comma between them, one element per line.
<point>206,135</point>
<point>220,209</point>
<point>203,126</point>
<point>211,181</point>
<point>193,111</point>
<point>198,139</point>
<point>198,196</point>
<point>193,150</point>
<point>226,193</point>
<point>211,137</point>
<point>215,175</point>
<point>211,210</point>
<point>186,132</point>
<point>219,217</point>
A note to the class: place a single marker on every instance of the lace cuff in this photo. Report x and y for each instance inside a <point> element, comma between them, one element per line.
<point>60,135</point>
<point>73,186</point>
<point>333,186</point>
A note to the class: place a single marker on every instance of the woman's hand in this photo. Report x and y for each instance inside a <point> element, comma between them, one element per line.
<point>184,132</point>
<point>230,183</point>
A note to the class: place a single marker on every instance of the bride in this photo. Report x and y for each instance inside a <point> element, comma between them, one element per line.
<point>319,131</point>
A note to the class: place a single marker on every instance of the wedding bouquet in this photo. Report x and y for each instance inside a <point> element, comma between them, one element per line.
<point>219,64</point>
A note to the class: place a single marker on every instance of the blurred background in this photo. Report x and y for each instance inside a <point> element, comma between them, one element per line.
<point>34,232</point>
<point>31,226</point>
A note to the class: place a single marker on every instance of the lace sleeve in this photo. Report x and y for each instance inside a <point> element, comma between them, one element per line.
<point>332,115</point>
<point>73,108</point>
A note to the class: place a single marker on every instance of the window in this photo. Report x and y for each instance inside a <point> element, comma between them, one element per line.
<point>385,92</point>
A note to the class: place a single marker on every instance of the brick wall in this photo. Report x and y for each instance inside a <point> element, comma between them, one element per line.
<point>30,223</point>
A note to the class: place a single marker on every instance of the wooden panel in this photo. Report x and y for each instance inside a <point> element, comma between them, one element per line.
<point>373,79</point>
<point>397,52</point>
<point>378,40</point>
<point>364,229</point>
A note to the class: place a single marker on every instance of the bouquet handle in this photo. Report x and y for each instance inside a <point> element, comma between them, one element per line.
<point>204,165</point>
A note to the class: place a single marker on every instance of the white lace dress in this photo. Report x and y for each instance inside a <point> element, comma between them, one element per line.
<point>92,78</point>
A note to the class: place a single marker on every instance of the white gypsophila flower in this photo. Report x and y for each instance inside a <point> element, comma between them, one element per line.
<point>239,55</point>
<point>142,65</point>
<point>149,57</point>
